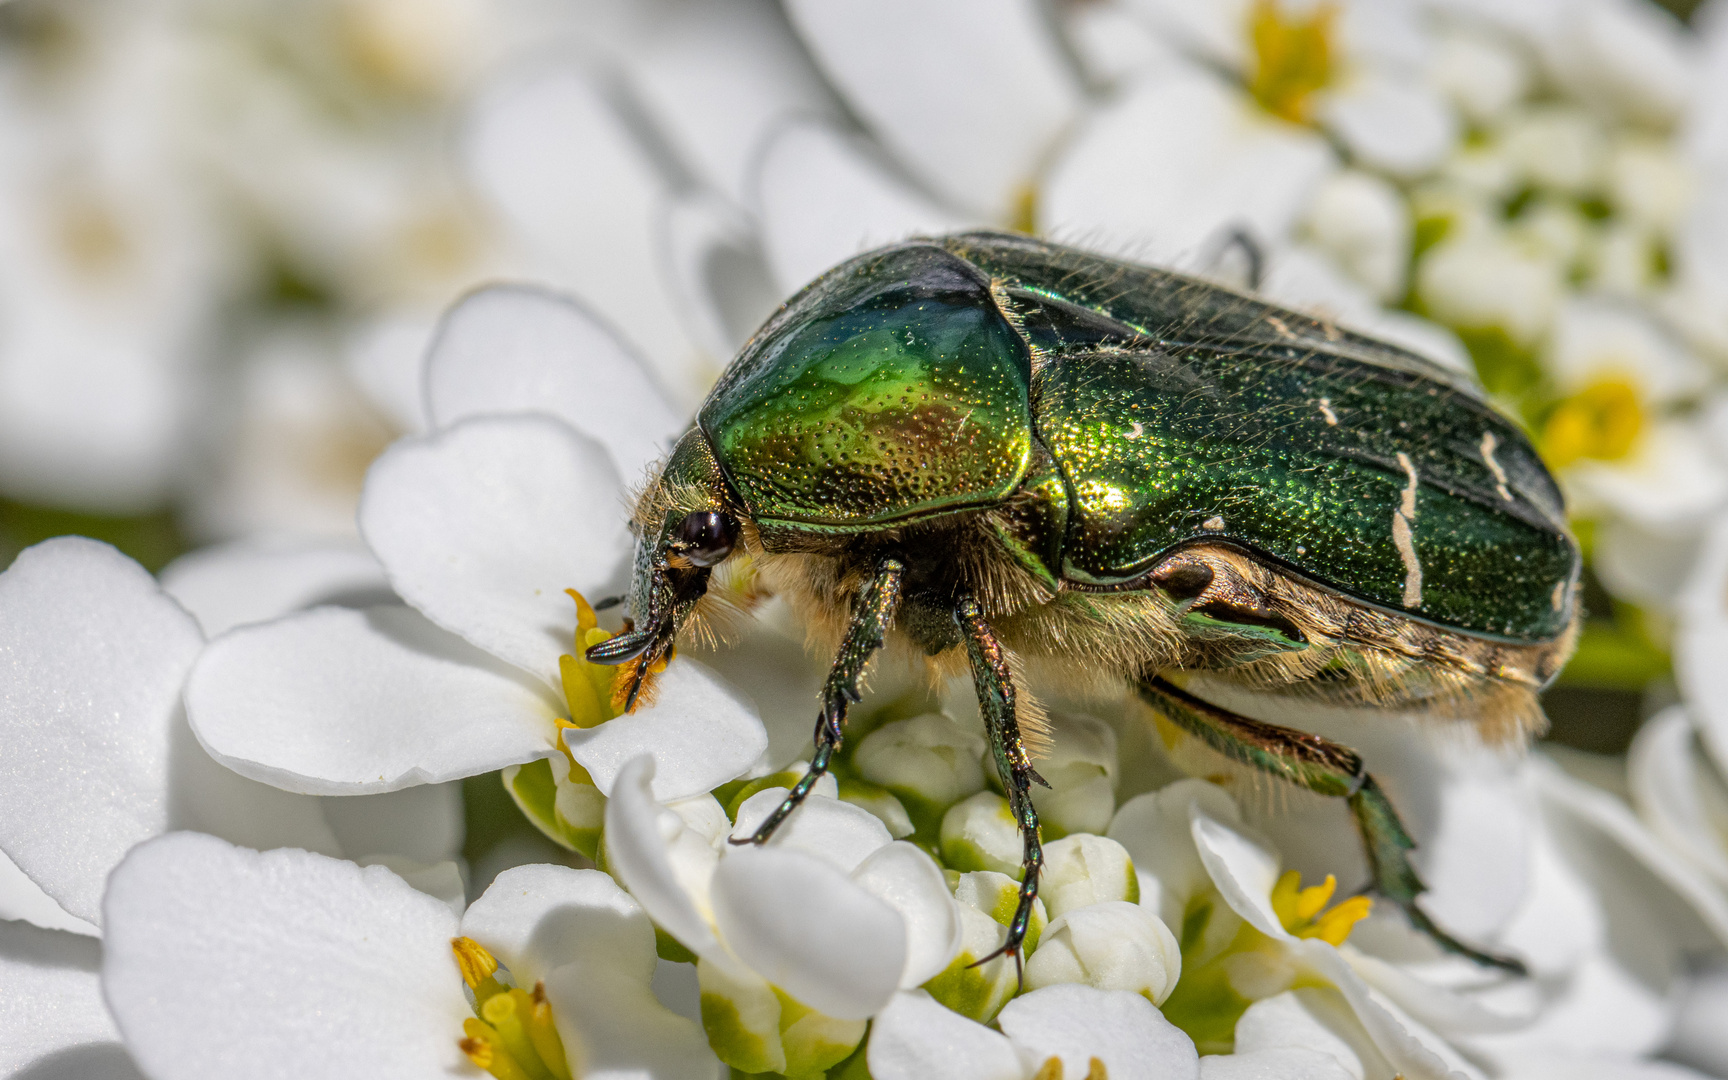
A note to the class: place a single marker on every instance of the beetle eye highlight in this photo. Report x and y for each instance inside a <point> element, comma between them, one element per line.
<point>706,537</point>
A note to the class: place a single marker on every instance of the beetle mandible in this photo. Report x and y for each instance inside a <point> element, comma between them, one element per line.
<point>999,451</point>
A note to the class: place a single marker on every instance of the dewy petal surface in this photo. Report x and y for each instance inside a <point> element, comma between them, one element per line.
<point>52,1019</point>
<point>1077,1023</point>
<point>248,581</point>
<point>701,732</point>
<point>482,527</point>
<point>92,657</point>
<point>224,962</point>
<point>339,701</point>
<point>805,927</point>
<point>915,1037</point>
<point>518,348</point>
<point>970,94</point>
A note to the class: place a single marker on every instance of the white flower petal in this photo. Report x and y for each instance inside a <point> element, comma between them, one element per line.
<point>1290,1063</point>
<point>971,102</point>
<point>92,656</point>
<point>715,260</point>
<point>1409,1046</point>
<point>220,961</point>
<point>701,732</point>
<point>821,199</point>
<point>1113,945</point>
<point>915,1038</point>
<point>1078,1023</point>
<point>518,348</point>
<point>23,899</point>
<point>1390,124</point>
<point>837,832</point>
<point>51,1008</point>
<point>483,525</point>
<point>1670,781</point>
<point>912,884</point>
<point>340,701</point>
<point>1243,869</point>
<point>551,151</point>
<point>805,927</point>
<point>1315,1019</point>
<point>639,837</point>
<point>423,823</point>
<point>621,1030</point>
<point>248,581</point>
<point>1155,830</point>
<point>539,917</point>
<point>1699,1036</point>
<point>1176,160</point>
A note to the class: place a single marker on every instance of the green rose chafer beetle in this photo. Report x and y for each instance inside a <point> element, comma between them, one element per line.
<point>1006,454</point>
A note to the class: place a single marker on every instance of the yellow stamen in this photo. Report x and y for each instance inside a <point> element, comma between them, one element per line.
<point>1601,421</point>
<point>544,1034</point>
<point>587,687</point>
<point>1299,910</point>
<point>484,1049</point>
<point>508,1014</point>
<point>476,963</point>
<point>1292,57</point>
<point>1335,926</point>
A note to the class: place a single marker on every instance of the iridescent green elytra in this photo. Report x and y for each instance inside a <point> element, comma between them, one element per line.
<point>1005,453</point>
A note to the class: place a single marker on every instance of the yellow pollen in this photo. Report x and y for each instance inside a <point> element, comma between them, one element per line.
<point>476,963</point>
<point>1601,421</point>
<point>1052,1070</point>
<point>1292,57</point>
<point>1300,910</point>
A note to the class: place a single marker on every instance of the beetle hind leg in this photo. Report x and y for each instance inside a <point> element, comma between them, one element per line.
<point>872,615</point>
<point>1325,768</point>
<point>993,681</point>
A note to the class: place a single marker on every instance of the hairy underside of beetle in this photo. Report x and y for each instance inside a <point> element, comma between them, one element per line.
<point>1206,607</point>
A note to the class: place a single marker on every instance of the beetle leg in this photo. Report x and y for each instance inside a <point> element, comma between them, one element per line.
<point>1326,768</point>
<point>994,684</point>
<point>872,615</point>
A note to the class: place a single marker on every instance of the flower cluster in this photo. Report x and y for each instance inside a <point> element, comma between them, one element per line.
<point>230,803</point>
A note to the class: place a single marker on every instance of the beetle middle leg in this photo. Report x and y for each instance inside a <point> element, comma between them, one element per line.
<point>1325,768</point>
<point>994,684</point>
<point>872,615</point>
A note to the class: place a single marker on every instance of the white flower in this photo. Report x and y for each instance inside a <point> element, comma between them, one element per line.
<point>799,940</point>
<point>1082,1028</point>
<point>287,964</point>
<point>481,525</point>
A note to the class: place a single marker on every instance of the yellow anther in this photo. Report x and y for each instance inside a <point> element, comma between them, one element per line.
<point>1601,421</point>
<point>1052,1070</point>
<point>1292,57</point>
<point>1312,900</point>
<point>1299,909</point>
<point>586,620</point>
<point>544,1034</point>
<point>476,963</point>
<point>587,687</point>
<point>1335,926</point>
<point>484,1049</point>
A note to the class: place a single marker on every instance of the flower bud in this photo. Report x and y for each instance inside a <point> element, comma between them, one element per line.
<point>980,834</point>
<point>986,904</point>
<point>757,1029</point>
<point>1110,946</point>
<point>1081,771</point>
<point>1084,869</point>
<point>931,758</point>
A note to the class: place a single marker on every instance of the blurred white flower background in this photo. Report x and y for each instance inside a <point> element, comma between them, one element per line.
<point>342,329</point>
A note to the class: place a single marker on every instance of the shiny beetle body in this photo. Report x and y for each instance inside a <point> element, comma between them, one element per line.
<point>1011,455</point>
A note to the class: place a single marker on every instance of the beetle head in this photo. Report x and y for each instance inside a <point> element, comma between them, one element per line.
<point>686,524</point>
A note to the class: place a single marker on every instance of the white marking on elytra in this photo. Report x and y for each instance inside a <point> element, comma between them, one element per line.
<point>1135,430</point>
<point>1213,524</point>
<point>1326,411</point>
<point>1404,535</point>
<point>1279,325</point>
<point>1489,443</point>
<point>1559,597</point>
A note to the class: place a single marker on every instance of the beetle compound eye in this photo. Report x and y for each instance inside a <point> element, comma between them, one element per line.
<point>706,537</point>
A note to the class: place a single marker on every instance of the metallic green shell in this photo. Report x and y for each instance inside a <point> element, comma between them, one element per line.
<point>892,391</point>
<point>1178,411</point>
<point>1146,411</point>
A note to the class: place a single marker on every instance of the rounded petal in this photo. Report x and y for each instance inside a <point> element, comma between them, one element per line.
<point>915,1037</point>
<point>1084,869</point>
<point>1155,830</point>
<point>248,581</point>
<point>821,198</point>
<point>1313,1020</point>
<point>716,263</point>
<point>621,1029</point>
<point>933,756</point>
<point>834,831</point>
<point>23,899</point>
<point>337,701</point>
<point>521,349</point>
<point>1078,1023</point>
<point>971,102</point>
<point>1243,869</point>
<point>483,525</point>
<point>1292,1063</point>
<point>219,961</point>
<point>1112,945</point>
<point>643,840</point>
<point>1175,160</point>
<point>539,917</point>
<point>1674,787</point>
<point>805,927</point>
<point>1400,126</point>
<point>700,731</point>
<point>51,1008</point>
<point>910,882</point>
<point>92,656</point>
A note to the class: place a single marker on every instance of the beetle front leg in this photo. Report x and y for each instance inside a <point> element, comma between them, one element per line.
<point>1325,768</point>
<point>872,615</point>
<point>994,684</point>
